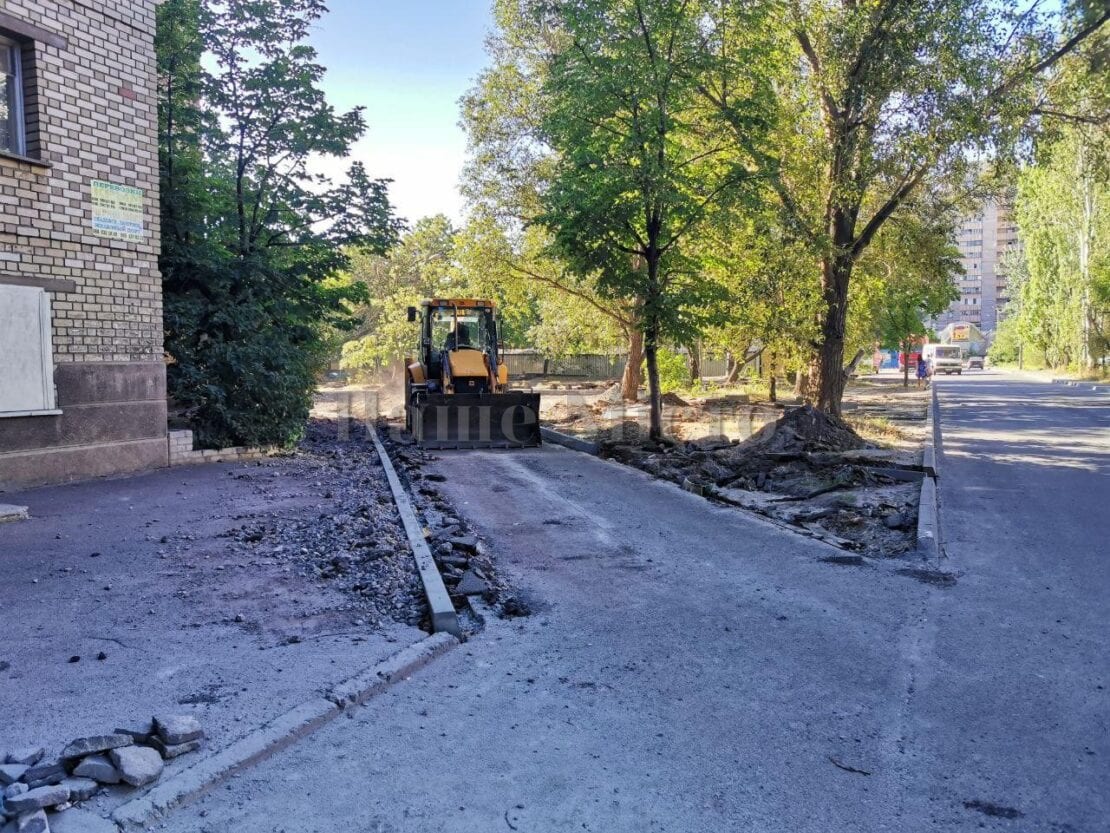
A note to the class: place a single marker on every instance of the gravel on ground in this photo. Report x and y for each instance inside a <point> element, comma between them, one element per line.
<point>231,592</point>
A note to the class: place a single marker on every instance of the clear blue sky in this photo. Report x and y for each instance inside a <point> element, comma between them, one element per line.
<point>407,62</point>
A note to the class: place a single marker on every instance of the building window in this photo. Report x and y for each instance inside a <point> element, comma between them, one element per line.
<point>26,353</point>
<point>12,132</point>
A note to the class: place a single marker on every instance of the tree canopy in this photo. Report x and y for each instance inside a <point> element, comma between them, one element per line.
<point>727,169</point>
<point>250,235</point>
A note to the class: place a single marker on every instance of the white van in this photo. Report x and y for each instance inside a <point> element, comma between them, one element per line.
<point>943,358</point>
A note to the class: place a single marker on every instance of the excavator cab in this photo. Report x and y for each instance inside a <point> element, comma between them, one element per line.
<point>456,388</point>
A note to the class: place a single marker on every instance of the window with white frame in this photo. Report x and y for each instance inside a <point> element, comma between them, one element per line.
<point>12,138</point>
<point>26,352</point>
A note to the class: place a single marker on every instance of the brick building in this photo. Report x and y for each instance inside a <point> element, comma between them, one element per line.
<point>82,377</point>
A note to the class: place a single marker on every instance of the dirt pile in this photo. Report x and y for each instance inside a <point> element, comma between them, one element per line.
<point>804,430</point>
<point>807,469</point>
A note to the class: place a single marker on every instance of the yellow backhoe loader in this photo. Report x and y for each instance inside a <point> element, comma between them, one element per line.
<point>456,388</point>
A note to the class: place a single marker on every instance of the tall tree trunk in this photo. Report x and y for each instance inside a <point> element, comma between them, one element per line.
<point>651,332</point>
<point>630,380</point>
<point>836,274</point>
<point>1086,238</point>
<point>772,383</point>
<point>801,382</point>
<point>905,364</point>
<point>738,366</point>
<point>651,347</point>
<point>695,362</point>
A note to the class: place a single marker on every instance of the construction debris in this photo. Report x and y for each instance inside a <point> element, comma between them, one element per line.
<point>358,546</point>
<point>465,564</point>
<point>808,469</point>
<point>85,765</point>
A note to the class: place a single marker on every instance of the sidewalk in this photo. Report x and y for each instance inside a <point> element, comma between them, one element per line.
<point>195,590</point>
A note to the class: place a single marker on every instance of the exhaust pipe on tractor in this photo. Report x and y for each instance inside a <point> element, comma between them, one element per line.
<point>476,420</point>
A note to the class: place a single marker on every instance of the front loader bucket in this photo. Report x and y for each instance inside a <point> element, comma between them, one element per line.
<point>477,420</point>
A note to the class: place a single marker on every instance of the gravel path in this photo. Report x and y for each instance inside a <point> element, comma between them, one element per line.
<point>229,591</point>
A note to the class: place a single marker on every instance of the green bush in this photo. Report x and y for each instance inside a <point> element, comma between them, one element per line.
<point>674,374</point>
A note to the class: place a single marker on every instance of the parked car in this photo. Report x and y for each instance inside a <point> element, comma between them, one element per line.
<point>975,363</point>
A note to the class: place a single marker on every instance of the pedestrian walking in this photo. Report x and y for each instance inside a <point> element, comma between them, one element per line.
<point>922,372</point>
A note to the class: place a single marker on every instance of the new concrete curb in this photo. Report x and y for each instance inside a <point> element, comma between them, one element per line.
<point>279,733</point>
<point>1076,383</point>
<point>444,617</point>
<point>928,510</point>
<point>559,438</point>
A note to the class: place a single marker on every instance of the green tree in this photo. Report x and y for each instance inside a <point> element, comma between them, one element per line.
<point>771,303</point>
<point>510,165</point>
<point>424,265</point>
<point>909,273</point>
<point>253,236</point>
<point>1063,212</point>
<point>891,94</point>
<point>634,175</point>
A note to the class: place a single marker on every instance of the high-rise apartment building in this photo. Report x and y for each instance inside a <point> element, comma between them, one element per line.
<point>983,240</point>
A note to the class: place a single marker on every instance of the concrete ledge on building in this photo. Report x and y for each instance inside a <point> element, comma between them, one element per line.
<point>182,452</point>
<point>40,467</point>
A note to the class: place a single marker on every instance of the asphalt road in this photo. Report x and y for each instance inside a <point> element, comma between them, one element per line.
<point>690,668</point>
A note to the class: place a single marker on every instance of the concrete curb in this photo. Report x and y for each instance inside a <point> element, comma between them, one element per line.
<point>1075,383</point>
<point>444,617</point>
<point>279,733</point>
<point>573,443</point>
<point>928,509</point>
<point>928,525</point>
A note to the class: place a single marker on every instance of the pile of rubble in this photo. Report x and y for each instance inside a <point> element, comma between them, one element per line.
<point>132,757</point>
<point>808,469</point>
<point>358,546</point>
<point>466,566</point>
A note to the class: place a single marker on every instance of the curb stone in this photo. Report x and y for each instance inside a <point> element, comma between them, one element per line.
<point>279,733</point>
<point>573,443</point>
<point>1074,383</point>
<point>444,616</point>
<point>928,509</point>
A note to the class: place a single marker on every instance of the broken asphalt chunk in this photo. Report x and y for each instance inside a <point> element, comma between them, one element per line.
<point>29,756</point>
<point>80,789</point>
<point>37,799</point>
<point>177,729</point>
<point>33,822</point>
<point>99,768</point>
<point>44,775</point>
<point>10,773</point>
<point>81,747</point>
<point>137,765</point>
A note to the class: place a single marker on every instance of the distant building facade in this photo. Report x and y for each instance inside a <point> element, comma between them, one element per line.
<point>983,241</point>
<point>82,376</point>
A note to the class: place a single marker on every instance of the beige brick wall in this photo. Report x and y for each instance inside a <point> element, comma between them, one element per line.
<point>94,109</point>
<point>181,452</point>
